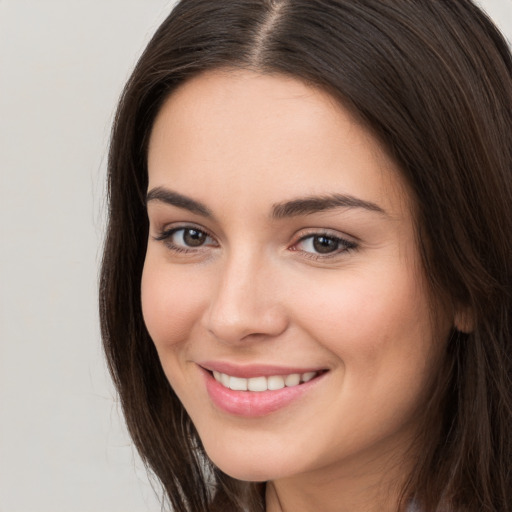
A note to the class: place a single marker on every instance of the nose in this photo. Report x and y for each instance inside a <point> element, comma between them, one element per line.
<point>245,304</point>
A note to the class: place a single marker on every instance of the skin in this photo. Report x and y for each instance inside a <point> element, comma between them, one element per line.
<point>240,142</point>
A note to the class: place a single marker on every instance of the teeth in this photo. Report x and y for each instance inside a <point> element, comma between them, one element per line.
<point>275,382</point>
<point>292,380</point>
<point>237,384</point>
<point>306,377</point>
<point>258,384</point>
<point>224,379</point>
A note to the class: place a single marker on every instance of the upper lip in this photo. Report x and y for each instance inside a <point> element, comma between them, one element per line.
<point>255,370</point>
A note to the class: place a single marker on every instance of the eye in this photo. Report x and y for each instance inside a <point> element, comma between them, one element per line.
<point>320,244</point>
<point>184,239</point>
<point>189,237</point>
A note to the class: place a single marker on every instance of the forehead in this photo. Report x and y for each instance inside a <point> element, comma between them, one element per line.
<point>243,131</point>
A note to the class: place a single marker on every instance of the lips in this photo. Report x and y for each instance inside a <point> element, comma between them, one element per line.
<point>252,391</point>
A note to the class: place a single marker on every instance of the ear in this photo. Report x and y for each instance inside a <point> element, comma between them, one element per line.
<point>464,319</point>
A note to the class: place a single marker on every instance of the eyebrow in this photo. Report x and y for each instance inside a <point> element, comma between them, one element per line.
<point>294,208</point>
<point>167,196</point>
<point>316,204</point>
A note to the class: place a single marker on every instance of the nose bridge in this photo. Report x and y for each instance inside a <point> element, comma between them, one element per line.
<point>245,303</point>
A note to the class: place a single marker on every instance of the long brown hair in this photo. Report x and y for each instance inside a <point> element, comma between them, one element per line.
<point>432,80</point>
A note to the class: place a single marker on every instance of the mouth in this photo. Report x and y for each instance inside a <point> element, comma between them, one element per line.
<point>258,391</point>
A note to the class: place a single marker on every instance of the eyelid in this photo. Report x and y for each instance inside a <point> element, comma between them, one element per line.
<point>348,243</point>
<point>327,232</point>
<point>164,235</point>
<point>168,229</point>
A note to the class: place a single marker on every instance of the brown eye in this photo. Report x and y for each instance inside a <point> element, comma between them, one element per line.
<point>193,237</point>
<point>188,238</point>
<point>324,244</point>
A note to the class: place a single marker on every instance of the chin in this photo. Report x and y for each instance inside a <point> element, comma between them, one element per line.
<point>249,467</point>
<point>248,473</point>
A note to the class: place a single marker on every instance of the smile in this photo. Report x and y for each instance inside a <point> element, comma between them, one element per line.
<point>258,390</point>
<point>260,384</point>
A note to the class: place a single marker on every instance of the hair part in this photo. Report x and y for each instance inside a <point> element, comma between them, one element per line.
<point>262,33</point>
<point>432,80</point>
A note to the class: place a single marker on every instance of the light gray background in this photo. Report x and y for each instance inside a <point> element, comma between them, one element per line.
<point>63,446</point>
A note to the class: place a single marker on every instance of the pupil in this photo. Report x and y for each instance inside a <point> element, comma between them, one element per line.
<point>194,237</point>
<point>324,244</point>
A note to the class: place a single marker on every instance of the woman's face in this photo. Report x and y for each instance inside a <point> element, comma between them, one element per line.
<point>282,258</point>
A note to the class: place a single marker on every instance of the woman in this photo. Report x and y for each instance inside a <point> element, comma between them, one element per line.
<point>306,284</point>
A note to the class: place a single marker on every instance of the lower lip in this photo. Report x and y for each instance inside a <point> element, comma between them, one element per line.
<point>251,404</point>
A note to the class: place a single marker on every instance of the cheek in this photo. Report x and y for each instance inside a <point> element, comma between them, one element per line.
<point>379,330</point>
<point>172,302</point>
<point>377,324</point>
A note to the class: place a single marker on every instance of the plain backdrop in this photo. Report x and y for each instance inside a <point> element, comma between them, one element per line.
<point>63,445</point>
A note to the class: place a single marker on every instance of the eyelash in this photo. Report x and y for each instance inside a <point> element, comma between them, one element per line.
<point>166,237</point>
<point>346,245</point>
<point>343,246</point>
